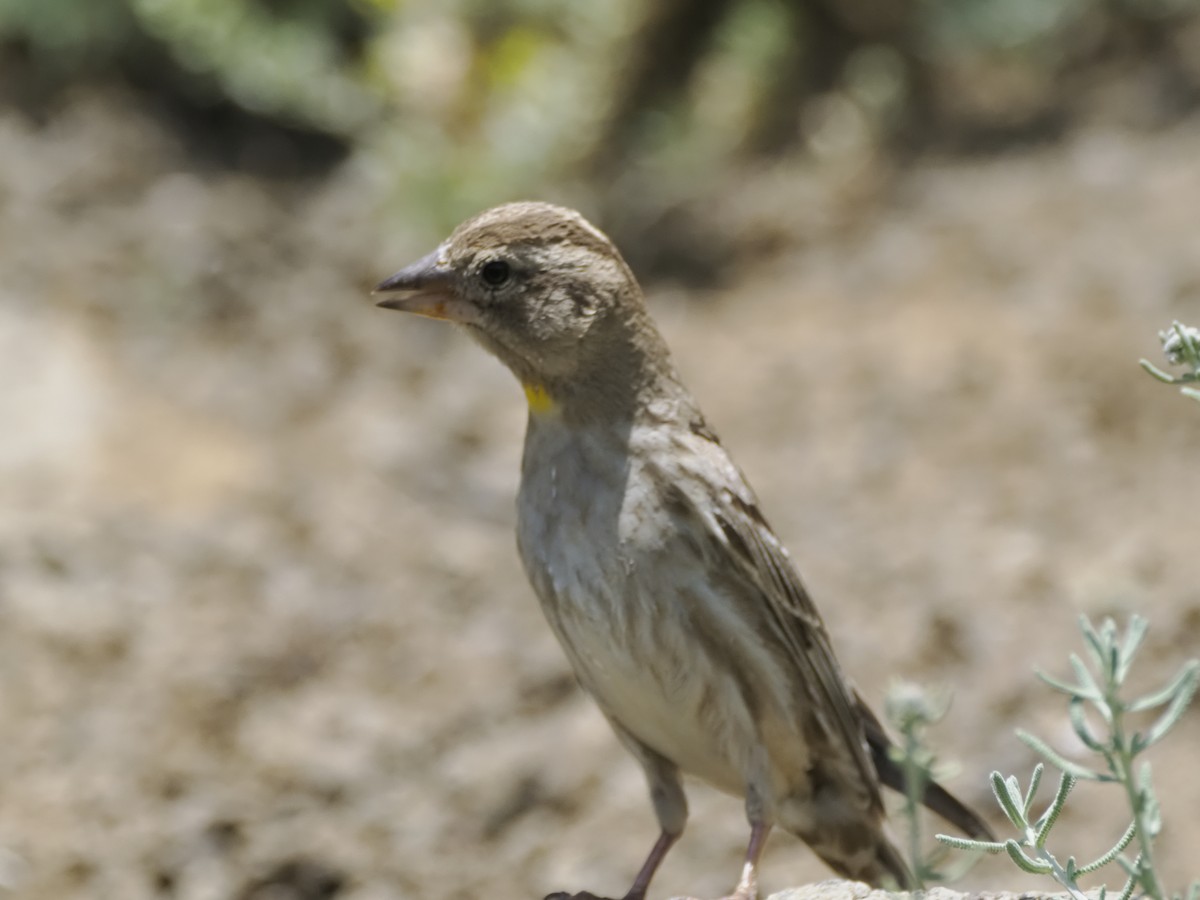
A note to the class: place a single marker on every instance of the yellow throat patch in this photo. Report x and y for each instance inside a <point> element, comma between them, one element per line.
<point>540,401</point>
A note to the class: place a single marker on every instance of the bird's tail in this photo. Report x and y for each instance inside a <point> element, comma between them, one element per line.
<point>936,798</point>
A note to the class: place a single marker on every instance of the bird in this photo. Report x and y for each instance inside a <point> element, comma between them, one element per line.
<point>679,609</point>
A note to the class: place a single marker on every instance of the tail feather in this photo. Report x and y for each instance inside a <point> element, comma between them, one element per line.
<point>935,797</point>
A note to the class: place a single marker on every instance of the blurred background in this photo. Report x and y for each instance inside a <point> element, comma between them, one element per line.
<point>263,633</point>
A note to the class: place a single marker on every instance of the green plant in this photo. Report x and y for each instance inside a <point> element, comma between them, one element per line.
<point>1181,346</point>
<point>911,710</point>
<point>1098,686</point>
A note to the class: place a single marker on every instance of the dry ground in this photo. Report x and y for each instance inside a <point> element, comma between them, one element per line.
<point>262,626</point>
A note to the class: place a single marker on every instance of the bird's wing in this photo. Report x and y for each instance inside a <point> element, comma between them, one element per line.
<point>762,565</point>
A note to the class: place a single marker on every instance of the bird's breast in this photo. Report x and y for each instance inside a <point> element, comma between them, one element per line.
<point>621,595</point>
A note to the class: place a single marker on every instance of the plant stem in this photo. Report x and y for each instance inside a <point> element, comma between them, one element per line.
<point>1121,761</point>
<point>1060,874</point>
<point>914,786</point>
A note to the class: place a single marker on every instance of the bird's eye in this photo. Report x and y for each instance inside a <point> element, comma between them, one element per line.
<point>495,273</point>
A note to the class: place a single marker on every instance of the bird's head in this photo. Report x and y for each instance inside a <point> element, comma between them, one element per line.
<point>542,289</point>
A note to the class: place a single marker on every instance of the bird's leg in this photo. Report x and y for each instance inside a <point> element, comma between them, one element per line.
<point>747,888</point>
<point>670,807</point>
<point>759,814</point>
<point>664,843</point>
<point>638,890</point>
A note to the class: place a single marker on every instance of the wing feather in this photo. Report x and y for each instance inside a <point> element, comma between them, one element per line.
<point>758,564</point>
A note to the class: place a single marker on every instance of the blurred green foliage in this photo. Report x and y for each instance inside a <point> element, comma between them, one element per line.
<point>68,35</point>
<point>461,103</point>
<point>266,63</point>
<point>280,59</point>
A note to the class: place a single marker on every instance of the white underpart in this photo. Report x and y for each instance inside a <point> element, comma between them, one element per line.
<point>593,556</point>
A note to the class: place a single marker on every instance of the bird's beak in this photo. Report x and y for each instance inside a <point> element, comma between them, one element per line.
<point>426,288</point>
